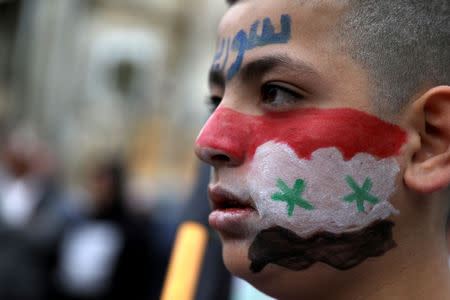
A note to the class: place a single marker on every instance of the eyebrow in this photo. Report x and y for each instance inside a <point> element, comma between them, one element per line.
<point>216,77</point>
<point>258,67</point>
<point>265,64</point>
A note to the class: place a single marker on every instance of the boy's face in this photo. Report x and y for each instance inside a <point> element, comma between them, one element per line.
<point>303,169</point>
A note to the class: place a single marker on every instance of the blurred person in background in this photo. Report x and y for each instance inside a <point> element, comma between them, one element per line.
<point>108,254</point>
<point>32,217</point>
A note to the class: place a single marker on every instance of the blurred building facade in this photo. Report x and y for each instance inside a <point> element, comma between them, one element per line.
<point>112,76</point>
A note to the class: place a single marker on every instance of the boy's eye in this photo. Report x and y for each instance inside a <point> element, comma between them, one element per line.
<point>278,94</point>
<point>213,102</point>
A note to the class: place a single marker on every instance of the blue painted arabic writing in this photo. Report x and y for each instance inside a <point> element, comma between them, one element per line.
<point>243,42</point>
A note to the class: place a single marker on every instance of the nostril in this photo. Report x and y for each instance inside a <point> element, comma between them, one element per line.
<point>220,158</point>
<point>217,157</point>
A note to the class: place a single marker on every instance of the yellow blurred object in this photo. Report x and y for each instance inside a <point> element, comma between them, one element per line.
<point>185,262</point>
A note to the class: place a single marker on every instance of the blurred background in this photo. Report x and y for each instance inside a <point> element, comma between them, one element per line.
<point>100,105</point>
<point>107,77</point>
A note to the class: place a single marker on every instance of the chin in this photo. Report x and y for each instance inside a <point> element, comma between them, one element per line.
<point>276,281</point>
<point>235,257</point>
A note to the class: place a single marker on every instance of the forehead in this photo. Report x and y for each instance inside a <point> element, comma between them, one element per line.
<point>313,15</point>
<point>313,41</point>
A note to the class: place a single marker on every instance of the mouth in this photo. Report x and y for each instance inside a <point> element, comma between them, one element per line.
<point>230,214</point>
<point>224,200</point>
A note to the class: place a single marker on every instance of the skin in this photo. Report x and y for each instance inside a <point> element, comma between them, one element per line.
<point>418,267</point>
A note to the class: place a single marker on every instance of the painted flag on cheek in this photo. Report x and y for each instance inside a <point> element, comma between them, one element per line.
<point>313,170</point>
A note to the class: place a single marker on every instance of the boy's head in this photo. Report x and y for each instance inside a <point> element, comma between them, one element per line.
<point>330,143</point>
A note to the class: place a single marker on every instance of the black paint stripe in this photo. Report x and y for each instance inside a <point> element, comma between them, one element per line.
<point>281,246</point>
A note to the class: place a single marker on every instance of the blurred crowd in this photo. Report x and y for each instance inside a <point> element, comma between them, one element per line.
<point>57,244</point>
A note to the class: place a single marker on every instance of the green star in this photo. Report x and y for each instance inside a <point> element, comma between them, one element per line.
<point>360,194</point>
<point>292,196</point>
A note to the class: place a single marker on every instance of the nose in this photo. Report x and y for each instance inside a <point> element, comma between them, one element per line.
<point>222,142</point>
<point>216,157</point>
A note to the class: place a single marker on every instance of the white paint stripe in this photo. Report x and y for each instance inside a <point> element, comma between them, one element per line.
<point>325,176</point>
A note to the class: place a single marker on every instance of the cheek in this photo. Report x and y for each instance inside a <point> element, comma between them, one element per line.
<point>326,186</point>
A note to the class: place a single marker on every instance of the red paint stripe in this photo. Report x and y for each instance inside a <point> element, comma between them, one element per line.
<point>304,130</point>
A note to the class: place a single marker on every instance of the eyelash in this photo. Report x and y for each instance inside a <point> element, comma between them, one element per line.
<point>213,102</point>
<point>290,96</point>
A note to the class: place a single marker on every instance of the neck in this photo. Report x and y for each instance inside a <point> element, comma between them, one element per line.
<point>412,270</point>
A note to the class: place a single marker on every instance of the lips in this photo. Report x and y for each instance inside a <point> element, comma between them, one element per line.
<point>225,200</point>
<point>230,214</point>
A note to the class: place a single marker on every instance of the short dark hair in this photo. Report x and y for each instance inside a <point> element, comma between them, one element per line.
<point>403,44</point>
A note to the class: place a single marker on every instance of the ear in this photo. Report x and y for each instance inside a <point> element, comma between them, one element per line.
<point>429,168</point>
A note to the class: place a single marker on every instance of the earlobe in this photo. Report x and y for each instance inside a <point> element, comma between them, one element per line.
<point>429,168</point>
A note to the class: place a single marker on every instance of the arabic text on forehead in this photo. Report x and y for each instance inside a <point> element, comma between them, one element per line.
<point>243,42</point>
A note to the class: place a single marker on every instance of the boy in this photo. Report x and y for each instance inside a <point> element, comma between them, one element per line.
<point>330,147</point>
